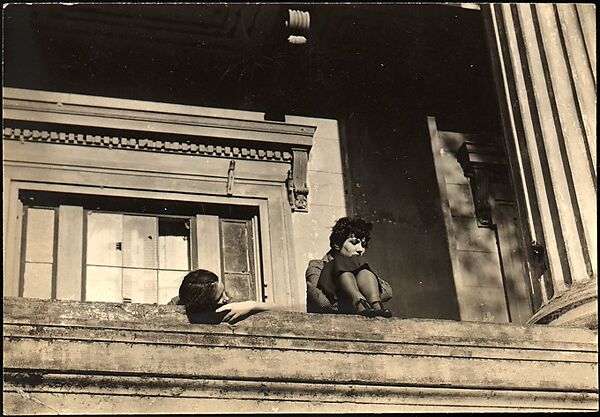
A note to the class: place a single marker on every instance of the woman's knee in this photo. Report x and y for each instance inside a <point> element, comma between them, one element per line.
<point>367,274</point>
<point>368,284</point>
<point>347,276</point>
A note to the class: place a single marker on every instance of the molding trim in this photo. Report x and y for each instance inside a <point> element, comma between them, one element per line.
<point>297,157</point>
<point>62,392</point>
<point>187,147</point>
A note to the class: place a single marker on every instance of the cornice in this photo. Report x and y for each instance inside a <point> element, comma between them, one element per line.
<point>182,146</point>
<point>143,116</point>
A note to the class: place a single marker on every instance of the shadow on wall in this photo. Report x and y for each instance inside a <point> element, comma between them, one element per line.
<point>391,182</point>
<point>482,292</point>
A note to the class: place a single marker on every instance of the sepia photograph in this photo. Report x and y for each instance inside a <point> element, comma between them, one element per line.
<point>266,208</point>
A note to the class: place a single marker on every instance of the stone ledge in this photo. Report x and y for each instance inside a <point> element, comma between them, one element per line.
<point>171,395</point>
<point>320,326</point>
<point>70,355</point>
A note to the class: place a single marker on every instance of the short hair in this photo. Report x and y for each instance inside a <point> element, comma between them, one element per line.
<point>350,226</point>
<point>198,291</point>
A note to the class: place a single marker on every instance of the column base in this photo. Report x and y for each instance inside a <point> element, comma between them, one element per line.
<point>576,307</point>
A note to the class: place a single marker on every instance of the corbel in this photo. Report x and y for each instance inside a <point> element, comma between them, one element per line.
<point>292,74</point>
<point>296,181</point>
<point>481,163</point>
<point>480,185</point>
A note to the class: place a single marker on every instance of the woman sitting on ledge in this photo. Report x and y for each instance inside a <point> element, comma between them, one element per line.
<point>342,281</point>
<point>202,291</point>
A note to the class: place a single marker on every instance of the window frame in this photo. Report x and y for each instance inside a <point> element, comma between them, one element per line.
<point>253,257</point>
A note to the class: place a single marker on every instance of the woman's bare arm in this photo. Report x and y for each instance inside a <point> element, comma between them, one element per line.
<point>240,310</point>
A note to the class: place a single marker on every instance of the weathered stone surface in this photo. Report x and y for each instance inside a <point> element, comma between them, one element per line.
<point>70,356</point>
<point>576,307</point>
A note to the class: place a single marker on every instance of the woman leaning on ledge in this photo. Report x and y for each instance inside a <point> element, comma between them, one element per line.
<point>201,291</point>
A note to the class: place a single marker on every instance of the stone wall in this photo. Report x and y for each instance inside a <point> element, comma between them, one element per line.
<point>72,357</point>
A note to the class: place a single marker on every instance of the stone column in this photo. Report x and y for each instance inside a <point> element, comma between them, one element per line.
<point>545,68</point>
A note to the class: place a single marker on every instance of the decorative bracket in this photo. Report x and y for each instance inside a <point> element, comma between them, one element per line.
<point>296,180</point>
<point>481,163</point>
<point>480,185</point>
<point>230,177</point>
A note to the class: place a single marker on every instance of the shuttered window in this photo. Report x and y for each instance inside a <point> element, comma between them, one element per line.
<point>135,258</point>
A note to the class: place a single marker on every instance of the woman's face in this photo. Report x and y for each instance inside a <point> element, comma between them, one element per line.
<point>221,297</point>
<point>353,246</point>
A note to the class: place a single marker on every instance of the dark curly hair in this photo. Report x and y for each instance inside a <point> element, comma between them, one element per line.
<point>198,291</point>
<point>347,227</point>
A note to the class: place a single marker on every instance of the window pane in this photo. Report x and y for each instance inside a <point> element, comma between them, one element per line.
<point>103,284</point>
<point>240,286</point>
<point>208,243</point>
<point>37,280</point>
<point>173,252</point>
<point>235,246</point>
<point>168,285</point>
<point>173,244</point>
<point>140,242</point>
<point>40,235</point>
<point>140,285</point>
<point>104,231</point>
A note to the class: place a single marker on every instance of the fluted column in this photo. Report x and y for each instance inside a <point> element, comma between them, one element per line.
<point>545,57</point>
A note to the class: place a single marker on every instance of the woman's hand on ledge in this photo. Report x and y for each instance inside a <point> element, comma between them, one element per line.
<point>238,311</point>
